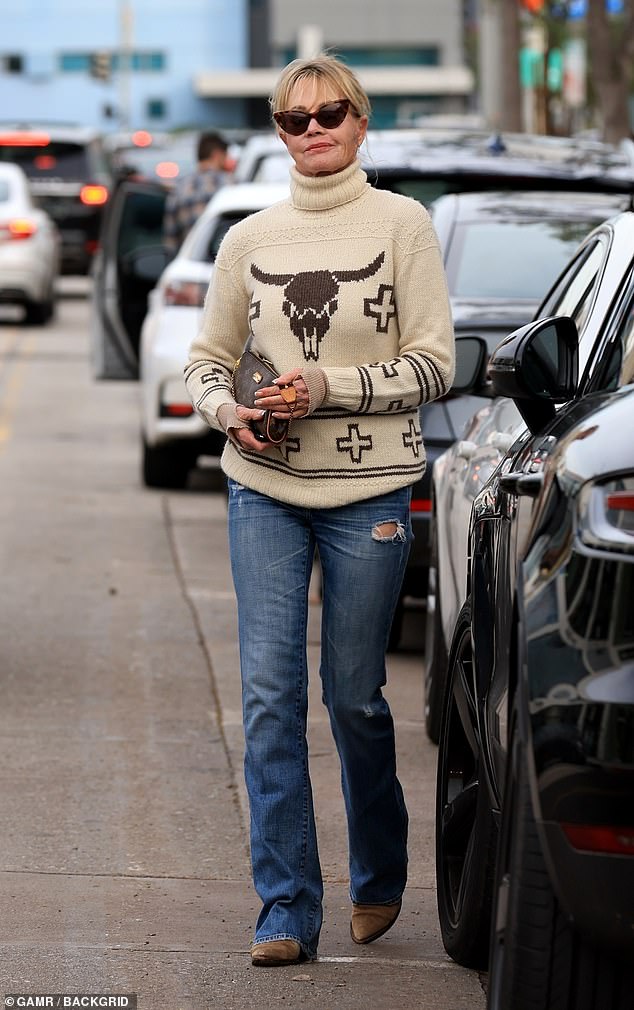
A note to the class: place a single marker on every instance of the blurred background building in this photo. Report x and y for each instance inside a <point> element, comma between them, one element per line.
<point>176,64</point>
<point>166,64</point>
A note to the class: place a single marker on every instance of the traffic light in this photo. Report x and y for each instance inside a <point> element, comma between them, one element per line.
<point>100,65</point>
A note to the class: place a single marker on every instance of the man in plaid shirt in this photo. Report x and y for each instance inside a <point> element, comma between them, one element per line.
<point>191,195</point>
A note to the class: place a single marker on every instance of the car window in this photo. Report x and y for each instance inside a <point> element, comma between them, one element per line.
<point>616,367</point>
<point>4,191</point>
<point>206,244</point>
<point>574,293</point>
<point>166,163</point>
<point>522,257</point>
<point>52,160</point>
<point>627,345</point>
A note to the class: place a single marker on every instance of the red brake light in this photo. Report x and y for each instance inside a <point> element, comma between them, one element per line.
<point>185,293</point>
<point>45,162</point>
<point>167,169</point>
<point>420,505</point>
<point>24,139</point>
<point>19,227</point>
<point>176,409</point>
<point>93,196</point>
<point>620,501</point>
<point>141,138</point>
<point>600,838</point>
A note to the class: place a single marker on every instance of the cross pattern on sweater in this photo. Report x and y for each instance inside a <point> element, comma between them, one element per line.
<point>382,307</point>
<point>289,446</point>
<point>254,312</point>
<point>413,438</point>
<point>355,443</point>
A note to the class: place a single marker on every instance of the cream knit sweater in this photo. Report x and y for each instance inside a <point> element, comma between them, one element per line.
<point>348,279</point>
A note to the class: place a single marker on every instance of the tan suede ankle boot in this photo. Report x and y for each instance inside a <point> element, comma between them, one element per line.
<point>369,922</point>
<point>275,953</point>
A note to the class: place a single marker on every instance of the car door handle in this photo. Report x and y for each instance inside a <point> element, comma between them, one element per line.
<point>524,484</point>
<point>465,449</point>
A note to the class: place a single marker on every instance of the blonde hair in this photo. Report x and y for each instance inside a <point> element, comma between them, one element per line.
<point>324,68</point>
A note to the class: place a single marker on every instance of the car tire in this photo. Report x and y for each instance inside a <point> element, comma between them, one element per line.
<point>537,959</point>
<point>465,827</point>
<point>39,313</point>
<point>436,658</point>
<point>166,466</point>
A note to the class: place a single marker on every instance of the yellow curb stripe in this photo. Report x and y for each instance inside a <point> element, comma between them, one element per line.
<point>14,372</point>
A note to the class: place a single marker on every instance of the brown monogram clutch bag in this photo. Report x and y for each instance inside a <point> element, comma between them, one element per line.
<point>250,373</point>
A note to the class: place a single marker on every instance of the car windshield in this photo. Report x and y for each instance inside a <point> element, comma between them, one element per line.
<point>423,190</point>
<point>510,259</point>
<point>52,159</point>
<point>165,163</point>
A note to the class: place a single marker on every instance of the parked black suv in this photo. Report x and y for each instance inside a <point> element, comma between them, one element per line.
<point>70,179</point>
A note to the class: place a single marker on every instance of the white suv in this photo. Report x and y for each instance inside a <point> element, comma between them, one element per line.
<point>173,436</point>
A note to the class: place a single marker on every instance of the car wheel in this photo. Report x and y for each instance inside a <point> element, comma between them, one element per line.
<point>435,654</point>
<point>537,960</point>
<point>465,827</point>
<point>166,466</point>
<point>39,313</point>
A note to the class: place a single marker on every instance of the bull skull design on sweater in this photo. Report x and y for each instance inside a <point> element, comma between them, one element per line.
<point>310,299</point>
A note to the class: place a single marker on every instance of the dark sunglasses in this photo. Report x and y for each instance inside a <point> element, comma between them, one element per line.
<point>329,116</point>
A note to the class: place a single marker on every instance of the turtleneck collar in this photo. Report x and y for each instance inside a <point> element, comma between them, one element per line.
<point>325,192</point>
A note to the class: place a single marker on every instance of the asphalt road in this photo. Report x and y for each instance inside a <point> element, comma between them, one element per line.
<point>123,843</point>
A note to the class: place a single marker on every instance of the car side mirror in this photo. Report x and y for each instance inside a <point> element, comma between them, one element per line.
<point>472,356</point>
<point>537,366</point>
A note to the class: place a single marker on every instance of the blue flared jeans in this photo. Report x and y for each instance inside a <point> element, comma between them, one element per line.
<point>272,548</point>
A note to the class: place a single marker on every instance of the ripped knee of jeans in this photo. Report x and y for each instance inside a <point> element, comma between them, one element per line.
<point>389,532</point>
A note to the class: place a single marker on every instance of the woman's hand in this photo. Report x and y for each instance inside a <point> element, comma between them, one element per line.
<point>245,436</point>
<point>288,398</point>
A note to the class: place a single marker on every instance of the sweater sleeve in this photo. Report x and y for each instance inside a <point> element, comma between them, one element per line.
<point>217,346</point>
<point>424,367</point>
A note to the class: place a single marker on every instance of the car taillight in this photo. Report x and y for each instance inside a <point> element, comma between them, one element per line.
<point>93,196</point>
<point>142,138</point>
<point>600,838</point>
<point>185,293</point>
<point>22,138</point>
<point>167,169</point>
<point>420,505</point>
<point>17,228</point>
<point>606,515</point>
<point>176,410</point>
<point>620,505</point>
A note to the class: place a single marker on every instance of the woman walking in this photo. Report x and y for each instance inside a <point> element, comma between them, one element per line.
<point>342,288</point>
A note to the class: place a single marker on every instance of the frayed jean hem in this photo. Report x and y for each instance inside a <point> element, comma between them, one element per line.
<point>311,955</point>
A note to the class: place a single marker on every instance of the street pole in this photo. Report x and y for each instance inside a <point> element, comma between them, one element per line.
<point>125,62</point>
<point>489,62</point>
